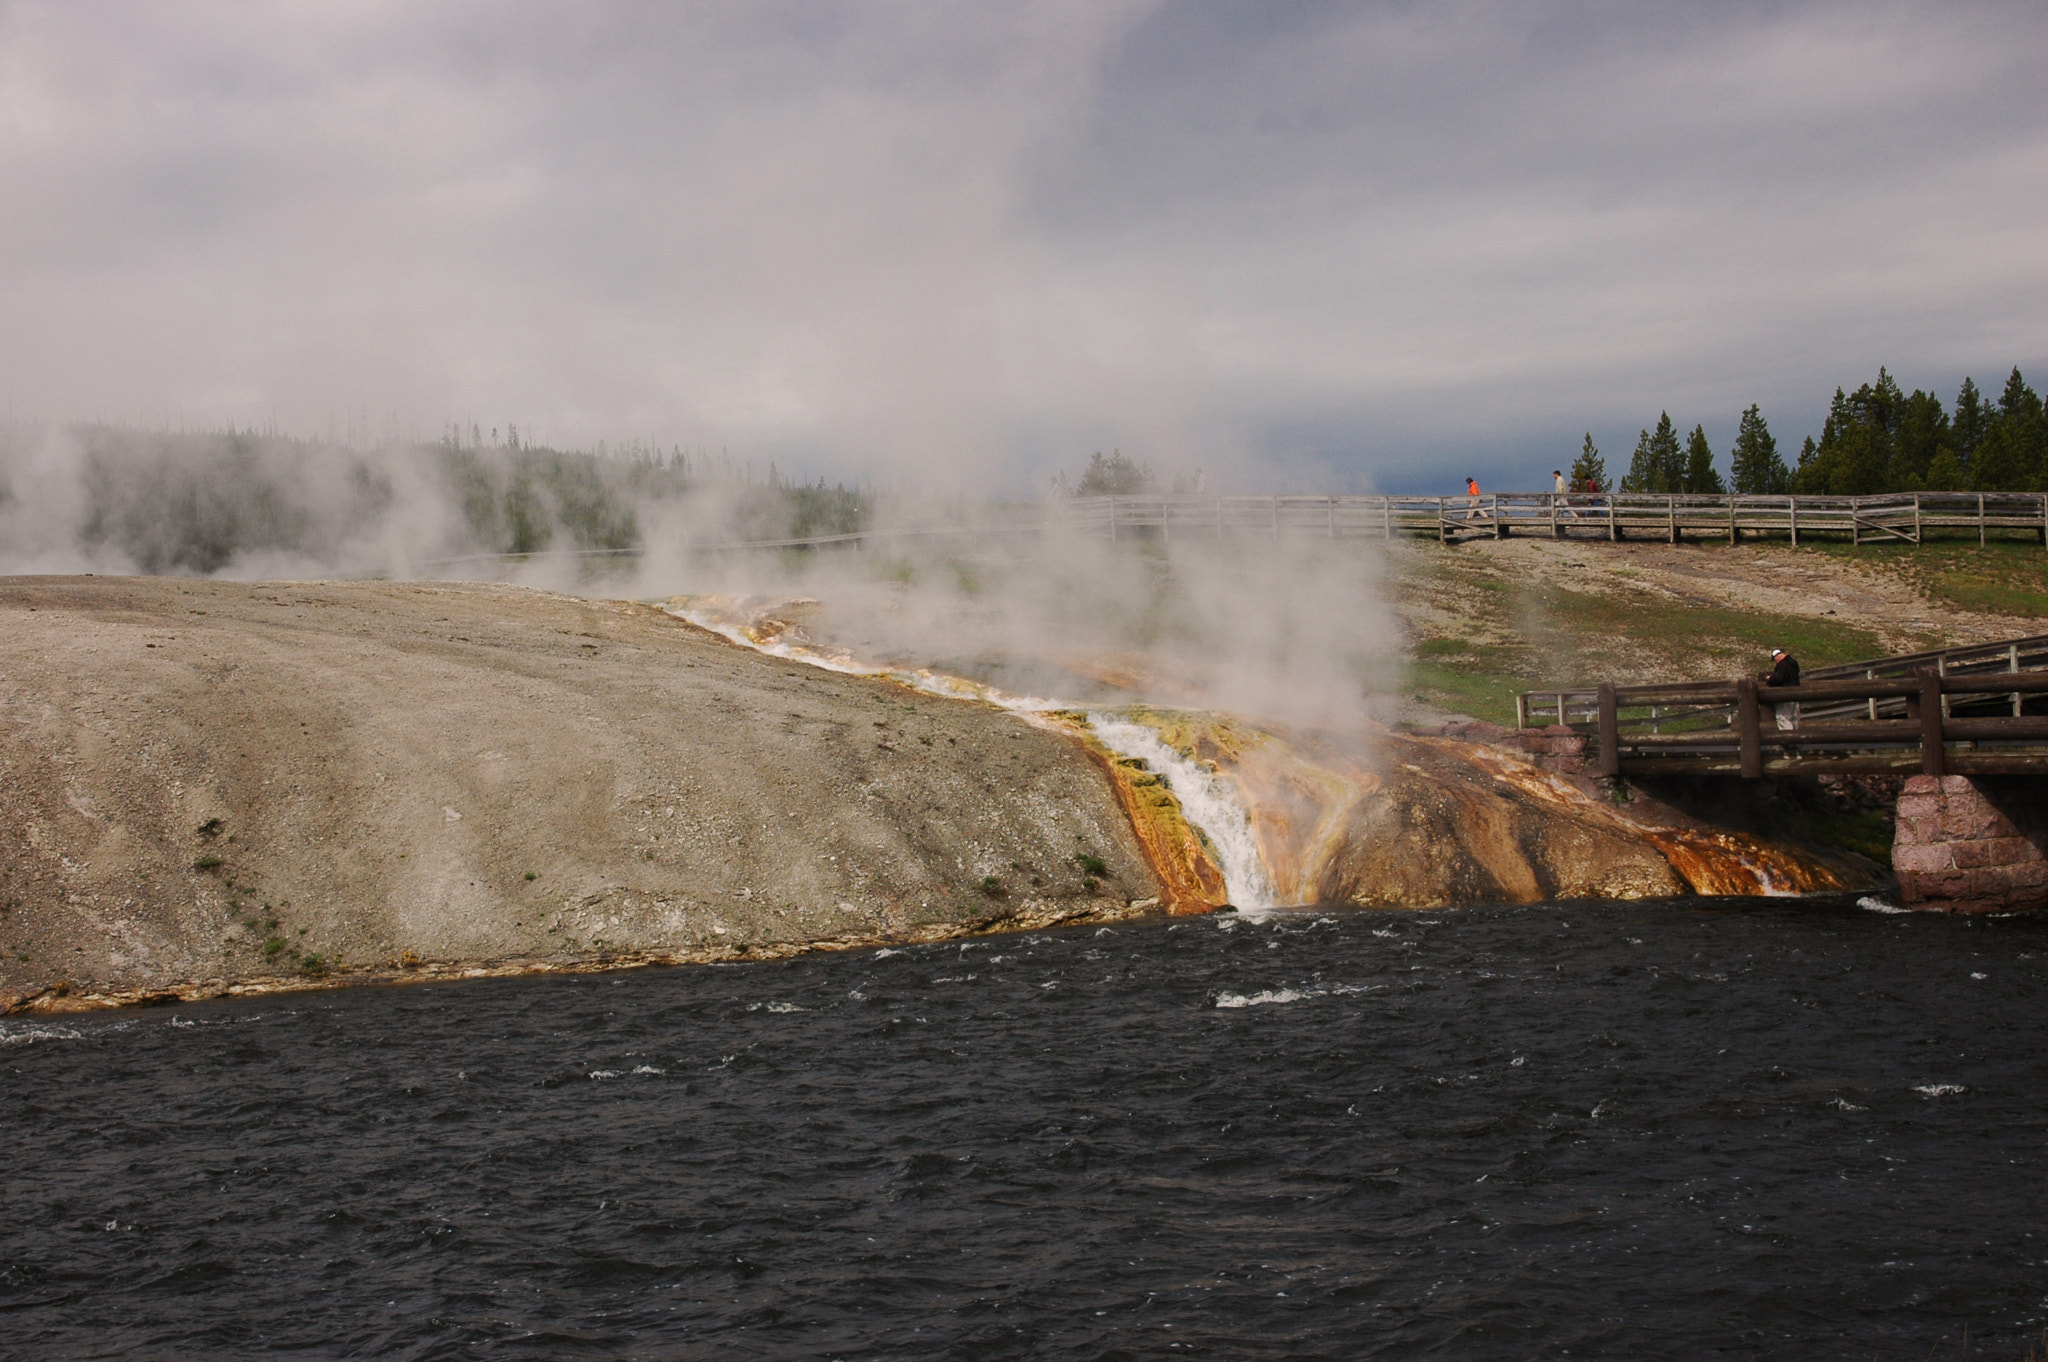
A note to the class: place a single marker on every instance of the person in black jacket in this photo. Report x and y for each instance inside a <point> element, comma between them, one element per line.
<point>1784,672</point>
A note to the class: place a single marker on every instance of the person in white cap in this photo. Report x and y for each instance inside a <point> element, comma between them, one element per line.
<point>1784,672</point>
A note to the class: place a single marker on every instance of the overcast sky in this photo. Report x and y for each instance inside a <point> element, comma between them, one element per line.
<point>1341,245</point>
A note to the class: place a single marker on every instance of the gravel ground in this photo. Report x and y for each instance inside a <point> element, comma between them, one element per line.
<point>211,786</point>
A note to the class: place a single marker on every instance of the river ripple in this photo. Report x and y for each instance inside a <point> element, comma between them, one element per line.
<point>1669,1129</point>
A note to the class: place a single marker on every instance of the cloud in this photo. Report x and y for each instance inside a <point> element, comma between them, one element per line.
<point>954,244</point>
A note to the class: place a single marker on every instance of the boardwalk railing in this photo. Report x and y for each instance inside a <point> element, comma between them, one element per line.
<point>1893,517</point>
<point>1963,711</point>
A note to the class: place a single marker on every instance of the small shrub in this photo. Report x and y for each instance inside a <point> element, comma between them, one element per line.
<point>313,964</point>
<point>991,886</point>
<point>207,863</point>
<point>62,988</point>
<point>273,945</point>
<point>1093,865</point>
<point>531,876</point>
<point>1090,884</point>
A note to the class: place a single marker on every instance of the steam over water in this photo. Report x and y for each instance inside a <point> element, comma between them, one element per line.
<point>1740,1128</point>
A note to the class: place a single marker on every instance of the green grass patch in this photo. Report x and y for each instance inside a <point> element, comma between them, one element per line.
<point>1483,695</point>
<point>2004,577</point>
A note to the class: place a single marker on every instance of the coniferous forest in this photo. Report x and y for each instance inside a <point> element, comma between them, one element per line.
<point>1878,438</point>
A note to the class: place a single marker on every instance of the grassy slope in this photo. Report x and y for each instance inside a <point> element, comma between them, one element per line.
<point>1481,630</point>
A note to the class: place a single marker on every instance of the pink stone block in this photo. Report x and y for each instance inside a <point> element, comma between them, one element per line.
<point>1993,852</point>
<point>1951,884</point>
<point>1919,806</point>
<point>1957,785</point>
<point>1920,785</point>
<point>2029,875</point>
<point>1923,860</point>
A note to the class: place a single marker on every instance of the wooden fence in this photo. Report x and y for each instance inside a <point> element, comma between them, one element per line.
<point>1964,711</point>
<point>1891,518</point>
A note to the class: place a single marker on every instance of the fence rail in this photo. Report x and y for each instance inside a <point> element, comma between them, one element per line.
<point>1980,710</point>
<point>1890,518</point>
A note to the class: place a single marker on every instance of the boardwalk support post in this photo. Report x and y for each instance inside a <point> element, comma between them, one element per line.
<point>1749,728</point>
<point>1933,758</point>
<point>1610,732</point>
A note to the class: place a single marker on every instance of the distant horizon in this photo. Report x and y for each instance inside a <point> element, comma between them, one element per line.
<point>1490,464</point>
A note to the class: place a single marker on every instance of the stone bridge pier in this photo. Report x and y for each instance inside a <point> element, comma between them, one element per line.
<point>1972,844</point>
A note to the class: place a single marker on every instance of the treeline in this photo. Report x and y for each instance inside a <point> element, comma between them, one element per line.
<point>1876,439</point>
<point>172,502</point>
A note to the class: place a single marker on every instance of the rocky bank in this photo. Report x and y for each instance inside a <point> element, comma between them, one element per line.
<point>209,786</point>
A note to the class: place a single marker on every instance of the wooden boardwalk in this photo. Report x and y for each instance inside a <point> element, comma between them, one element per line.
<point>1891,518</point>
<point>1904,517</point>
<point>1965,711</point>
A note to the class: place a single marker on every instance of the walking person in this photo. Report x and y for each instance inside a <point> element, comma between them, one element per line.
<point>1784,672</point>
<point>1561,491</point>
<point>1472,492</point>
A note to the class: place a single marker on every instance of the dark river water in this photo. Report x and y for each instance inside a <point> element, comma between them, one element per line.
<point>1771,1129</point>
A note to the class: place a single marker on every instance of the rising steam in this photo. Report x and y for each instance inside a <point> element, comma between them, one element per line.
<point>1291,631</point>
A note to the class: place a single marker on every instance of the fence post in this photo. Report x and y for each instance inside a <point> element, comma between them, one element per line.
<point>1980,520</point>
<point>1671,517</point>
<point>1613,525</point>
<point>1917,531</point>
<point>1610,731</point>
<point>1792,505</point>
<point>1521,710</point>
<point>1749,728</point>
<point>1933,759</point>
<point>1112,520</point>
<point>1387,510</point>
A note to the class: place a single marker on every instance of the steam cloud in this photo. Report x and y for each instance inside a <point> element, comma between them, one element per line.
<point>1291,631</point>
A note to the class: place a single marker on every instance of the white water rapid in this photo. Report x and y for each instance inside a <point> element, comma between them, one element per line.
<point>1208,800</point>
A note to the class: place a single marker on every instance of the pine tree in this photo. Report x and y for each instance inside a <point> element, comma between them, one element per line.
<point>1971,422</point>
<point>1920,428</point>
<point>1589,466</point>
<point>1755,468</point>
<point>1657,466</point>
<point>1944,472</point>
<point>1700,473</point>
<point>2014,454</point>
<point>1642,467</point>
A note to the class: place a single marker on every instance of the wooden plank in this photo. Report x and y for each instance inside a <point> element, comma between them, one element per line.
<point>1610,732</point>
<point>1748,728</point>
<point>1931,750</point>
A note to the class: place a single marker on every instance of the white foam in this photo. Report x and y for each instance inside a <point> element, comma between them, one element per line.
<point>1940,1089</point>
<point>604,1073</point>
<point>1209,800</point>
<point>786,1007</point>
<point>648,1069</point>
<point>1259,999</point>
<point>1870,903</point>
<point>31,1034</point>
